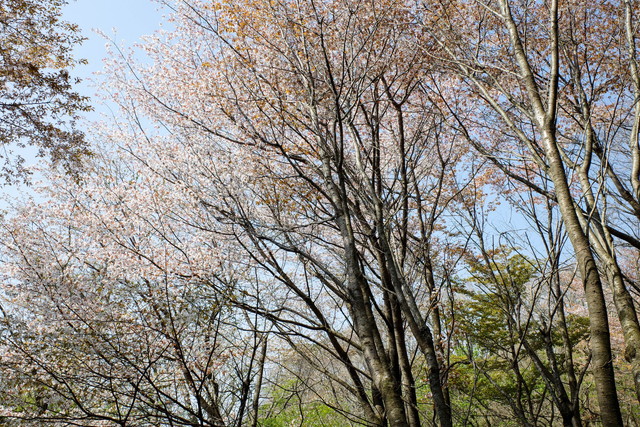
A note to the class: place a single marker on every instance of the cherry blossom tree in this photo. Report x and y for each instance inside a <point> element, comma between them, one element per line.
<point>338,161</point>
<point>117,314</point>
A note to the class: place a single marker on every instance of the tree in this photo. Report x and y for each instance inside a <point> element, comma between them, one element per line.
<point>558,88</point>
<point>38,105</point>
<point>326,172</point>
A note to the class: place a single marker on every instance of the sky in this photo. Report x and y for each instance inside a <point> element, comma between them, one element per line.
<point>124,21</point>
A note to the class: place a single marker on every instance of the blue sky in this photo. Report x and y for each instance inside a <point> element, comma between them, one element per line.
<point>123,21</point>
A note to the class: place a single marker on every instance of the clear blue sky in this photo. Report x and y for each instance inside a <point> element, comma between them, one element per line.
<point>124,21</point>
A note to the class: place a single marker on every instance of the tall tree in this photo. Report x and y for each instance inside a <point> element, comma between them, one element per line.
<point>551,73</point>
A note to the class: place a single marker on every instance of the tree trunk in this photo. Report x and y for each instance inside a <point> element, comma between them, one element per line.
<point>597,308</point>
<point>628,320</point>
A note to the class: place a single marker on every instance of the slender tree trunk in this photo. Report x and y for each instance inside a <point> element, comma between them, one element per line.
<point>628,320</point>
<point>374,354</point>
<point>436,323</point>
<point>597,308</point>
<point>408,382</point>
<point>360,310</point>
<point>545,119</point>
<point>568,356</point>
<point>256,393</point>
<point>420,330</point>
